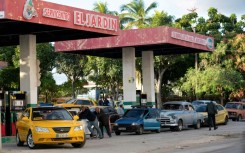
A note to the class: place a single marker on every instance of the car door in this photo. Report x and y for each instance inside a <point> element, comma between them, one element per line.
<point>23,125</point>
<point>187,116</point>
<point>243,111</point>
<point>220,116</point>
<point>151,120</point>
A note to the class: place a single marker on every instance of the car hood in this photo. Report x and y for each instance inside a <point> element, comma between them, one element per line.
<point>56,123</point>
<point>231,110</point>
<point>128,120</point>
<point>171,112</point>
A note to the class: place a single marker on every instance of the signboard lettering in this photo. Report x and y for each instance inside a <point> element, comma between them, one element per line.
<point>56,14</point>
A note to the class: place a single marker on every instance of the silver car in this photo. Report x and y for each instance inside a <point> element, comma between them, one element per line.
<point>180,114</point>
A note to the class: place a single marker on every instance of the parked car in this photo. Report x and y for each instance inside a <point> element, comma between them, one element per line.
<point>200,102</point>
<point>236,110</point>
<point>180,114</point>
<point>138,120</point>
<point>75,103</point>
<point>220,118</point>
<point>49,125</point>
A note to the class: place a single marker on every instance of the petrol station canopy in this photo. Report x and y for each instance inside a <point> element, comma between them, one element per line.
<point>161,40</point>
<point>51,22</point>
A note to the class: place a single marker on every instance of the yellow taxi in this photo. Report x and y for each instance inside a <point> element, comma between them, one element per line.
<point>49,125</point>
<point>76,103</point>
<point>220,118</point>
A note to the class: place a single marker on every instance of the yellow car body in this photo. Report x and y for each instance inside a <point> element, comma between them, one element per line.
<point>76,103</point>
<point>220,118</point>
<point>49,125</point>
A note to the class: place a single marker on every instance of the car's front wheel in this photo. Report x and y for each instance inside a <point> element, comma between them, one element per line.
<point>30,141</point>
<point>180,125</point>
<point>226,120</point>
<point>239,118</point>
<point>140,130</point>
<point>117,132</point>
<point>18,141</point>
<point>81,144</point>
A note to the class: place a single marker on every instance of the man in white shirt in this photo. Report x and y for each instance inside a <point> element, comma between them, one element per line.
<point>120,109</point>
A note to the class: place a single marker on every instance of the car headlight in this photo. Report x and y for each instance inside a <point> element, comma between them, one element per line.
<point>115,124</point>
<point>78,128</point>
<point>135,123</point>
<point>174,117</point>
<point>41,129</point>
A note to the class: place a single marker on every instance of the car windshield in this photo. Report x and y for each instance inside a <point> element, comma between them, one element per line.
<point>83,102</point>
<point>50,114</point>
<point>201,108</point>
<point>232,105</point>
<point>173,107</point>
<point>135,113</point>
<point>71,101</point>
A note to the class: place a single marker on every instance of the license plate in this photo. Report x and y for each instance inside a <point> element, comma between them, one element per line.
<point>122,128</point>
<point>63,135</point>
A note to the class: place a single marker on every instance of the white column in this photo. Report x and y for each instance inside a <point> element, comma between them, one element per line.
<point>148,76</point>
<point>129,85</point>
<point>28,63</point>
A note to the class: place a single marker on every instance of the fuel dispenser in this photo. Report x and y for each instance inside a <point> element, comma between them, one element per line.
<point>3,109</point>
<point>15,104</point>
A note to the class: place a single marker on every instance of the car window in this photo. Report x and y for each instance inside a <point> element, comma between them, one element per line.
<point>201,108</point>
<point>232,105</point>
<point>135,113</point>
<point>191,108</point>
<point>51,114</point>
<point>83,102</point>
<point>243,106</point>
<point>71,101</point>
<point>173,106</point>
<point>219,107</point>
<point>153,114</point>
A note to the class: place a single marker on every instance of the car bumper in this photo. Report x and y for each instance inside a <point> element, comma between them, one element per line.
<point>129,128</point>
<point>168,124</point>
<point>47,138</point>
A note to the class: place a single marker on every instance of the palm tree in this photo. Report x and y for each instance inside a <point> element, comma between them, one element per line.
<point>134,14</point>
<point>103,8</point>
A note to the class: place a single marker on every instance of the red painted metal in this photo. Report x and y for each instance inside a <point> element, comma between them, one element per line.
<point>138,37</point>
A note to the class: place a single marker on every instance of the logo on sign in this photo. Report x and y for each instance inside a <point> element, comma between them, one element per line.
<point>29,10</point>
<point>210,44</point>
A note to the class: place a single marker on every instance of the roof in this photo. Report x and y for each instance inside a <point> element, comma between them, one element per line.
<point>161,40</point>
<point>51,22</point>
<point>177,102</point>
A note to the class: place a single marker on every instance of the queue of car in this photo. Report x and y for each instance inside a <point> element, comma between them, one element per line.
<point>58,125</point>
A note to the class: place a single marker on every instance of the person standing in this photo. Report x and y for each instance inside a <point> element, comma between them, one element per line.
<point>103,121</point>
<point>92,120</point>
<point>100,102</point>
<point>211,110</point>
<point>120,110</point>
<point>106,102</point>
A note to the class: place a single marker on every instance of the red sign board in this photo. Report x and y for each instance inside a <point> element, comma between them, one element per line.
<point>47,13</point>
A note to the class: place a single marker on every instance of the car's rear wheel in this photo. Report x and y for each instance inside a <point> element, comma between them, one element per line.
<point>18,141</point>
<point>180,126</point>
<point>198,125</point>
<point>140,130</point>
<point>117,132</point>
<point>30,141</point>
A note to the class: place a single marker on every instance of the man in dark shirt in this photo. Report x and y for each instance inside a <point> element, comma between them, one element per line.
<point>212,110</point>
<point>103,120</point>
<point>92,120</point>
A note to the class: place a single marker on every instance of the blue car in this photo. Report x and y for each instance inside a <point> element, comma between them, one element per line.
<point>138,120</point>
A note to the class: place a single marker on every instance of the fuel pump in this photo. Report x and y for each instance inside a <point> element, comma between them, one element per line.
<point>16,103</point>
<point>3,110</point>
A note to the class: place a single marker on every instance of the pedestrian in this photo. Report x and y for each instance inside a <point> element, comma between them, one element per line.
<point>106,102</point>
<point>103,121</point>
<point>101,102</point>
<point>211,110</point>
<point>92,121</point>
<point>120,110</point>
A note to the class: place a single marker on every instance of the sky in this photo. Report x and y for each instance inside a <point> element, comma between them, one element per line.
<point>176,8</point>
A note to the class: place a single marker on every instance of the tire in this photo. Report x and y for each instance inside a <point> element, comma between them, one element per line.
<point>180,126</point>
<point>140,130</point>
<point>81,144</point>
<point>30,142</point>
<point>198,125</point>
<point>117,132</point>
<point>233,119</point>
<point>18,141</point>
<point>226,120</point>
<point>239,118</point>
<point>158,130</point>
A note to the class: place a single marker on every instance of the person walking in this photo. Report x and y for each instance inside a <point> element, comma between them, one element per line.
<point>92,120</point>
<point>103,121</point>
<point>211,110</point>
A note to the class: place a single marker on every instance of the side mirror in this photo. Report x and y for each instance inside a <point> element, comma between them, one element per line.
<point>76,117</point>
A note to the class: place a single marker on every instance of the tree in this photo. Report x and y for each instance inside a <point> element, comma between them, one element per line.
<point>103,8</point>
<point>73,66</point>
<point>134,14</point>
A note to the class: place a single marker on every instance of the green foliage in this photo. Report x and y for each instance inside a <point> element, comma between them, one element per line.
<point>10,77</point>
